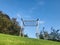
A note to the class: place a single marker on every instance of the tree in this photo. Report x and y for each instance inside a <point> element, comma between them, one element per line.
<point>8,26</point>
<point>15,28</point>
<point>41,35</point>
<point>4,23</point>
<point>44,34</point>
<point>54,34</point>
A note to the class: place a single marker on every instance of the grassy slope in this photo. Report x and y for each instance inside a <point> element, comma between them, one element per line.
<point>15,40</point>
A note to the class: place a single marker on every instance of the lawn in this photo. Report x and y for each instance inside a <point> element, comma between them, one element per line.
<point>16,40</point>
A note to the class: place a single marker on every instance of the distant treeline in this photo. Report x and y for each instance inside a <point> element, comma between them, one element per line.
<point>54,35</point>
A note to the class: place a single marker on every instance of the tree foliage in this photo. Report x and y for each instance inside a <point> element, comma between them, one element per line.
<point>8,25</point>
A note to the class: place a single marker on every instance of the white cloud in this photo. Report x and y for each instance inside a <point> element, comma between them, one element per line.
<point>32,9</point>
<point>37,5</point>
<point>42,22</point>
<point>41,3</point>
<point>24,16</point>
<point>18,15</point>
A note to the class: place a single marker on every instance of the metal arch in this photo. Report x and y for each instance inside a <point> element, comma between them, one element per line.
<point>37,25</point>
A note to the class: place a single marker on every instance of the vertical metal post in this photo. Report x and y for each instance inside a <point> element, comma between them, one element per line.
<point>37,29</point>
<point>22,32</point>
<point>22,29</point>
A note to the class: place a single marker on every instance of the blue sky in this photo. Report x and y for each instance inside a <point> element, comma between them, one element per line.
<point>48,11</point>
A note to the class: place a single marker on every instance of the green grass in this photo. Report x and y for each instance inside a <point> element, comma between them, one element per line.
<point>16,40</point>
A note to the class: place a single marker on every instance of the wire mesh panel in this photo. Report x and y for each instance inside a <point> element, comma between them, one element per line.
<point>30,23</point>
